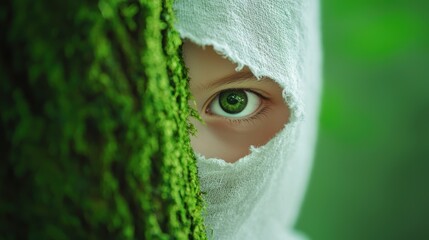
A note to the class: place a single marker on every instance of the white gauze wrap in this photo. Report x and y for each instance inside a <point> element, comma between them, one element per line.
<point>259,196</point>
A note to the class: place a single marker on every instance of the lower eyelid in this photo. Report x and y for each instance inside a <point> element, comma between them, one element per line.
<point>260,112</point>
<point>250,120</point>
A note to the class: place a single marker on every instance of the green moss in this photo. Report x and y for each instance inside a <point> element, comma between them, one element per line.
<point>95,128</point>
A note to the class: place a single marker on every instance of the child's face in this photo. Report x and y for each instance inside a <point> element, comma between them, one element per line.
<point>238,110</point>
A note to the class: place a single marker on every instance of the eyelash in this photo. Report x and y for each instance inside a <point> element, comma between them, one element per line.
<point>248,120</point>
<point>260,114</point>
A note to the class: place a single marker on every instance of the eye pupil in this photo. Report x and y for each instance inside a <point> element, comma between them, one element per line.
<point>233,101</point>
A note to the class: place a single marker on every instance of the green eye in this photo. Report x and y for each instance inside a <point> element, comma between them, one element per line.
<point>233,101</point>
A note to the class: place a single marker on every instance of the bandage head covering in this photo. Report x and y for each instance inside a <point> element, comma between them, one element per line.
<point>259,196</point>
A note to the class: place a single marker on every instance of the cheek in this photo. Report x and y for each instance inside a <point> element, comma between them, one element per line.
<point>219,138</point>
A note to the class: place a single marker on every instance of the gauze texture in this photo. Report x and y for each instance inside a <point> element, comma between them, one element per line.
<point>259,196</point>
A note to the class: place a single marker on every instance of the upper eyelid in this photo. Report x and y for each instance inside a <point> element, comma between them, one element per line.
<point>214,95</point>
<point>238,82</point>
<point>234,78</point>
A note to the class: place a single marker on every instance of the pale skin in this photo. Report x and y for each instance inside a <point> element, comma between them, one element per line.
<point>238,110</point>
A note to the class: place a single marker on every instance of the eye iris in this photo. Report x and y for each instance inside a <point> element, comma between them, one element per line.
<point>233,101</point>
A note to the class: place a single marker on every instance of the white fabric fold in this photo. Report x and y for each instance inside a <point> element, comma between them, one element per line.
<point>259,196</point>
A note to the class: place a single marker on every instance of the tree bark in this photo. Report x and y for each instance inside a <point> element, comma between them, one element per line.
<point>94,123</point>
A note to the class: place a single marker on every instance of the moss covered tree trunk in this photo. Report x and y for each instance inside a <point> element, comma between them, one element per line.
<point>94,131</point>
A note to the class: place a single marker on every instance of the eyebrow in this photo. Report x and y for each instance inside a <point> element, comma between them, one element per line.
<point>231,78</point>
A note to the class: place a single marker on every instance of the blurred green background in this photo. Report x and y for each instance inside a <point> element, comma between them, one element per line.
<point>371,169</point>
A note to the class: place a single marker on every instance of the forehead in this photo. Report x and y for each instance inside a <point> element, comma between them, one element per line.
<point>205,65</point>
